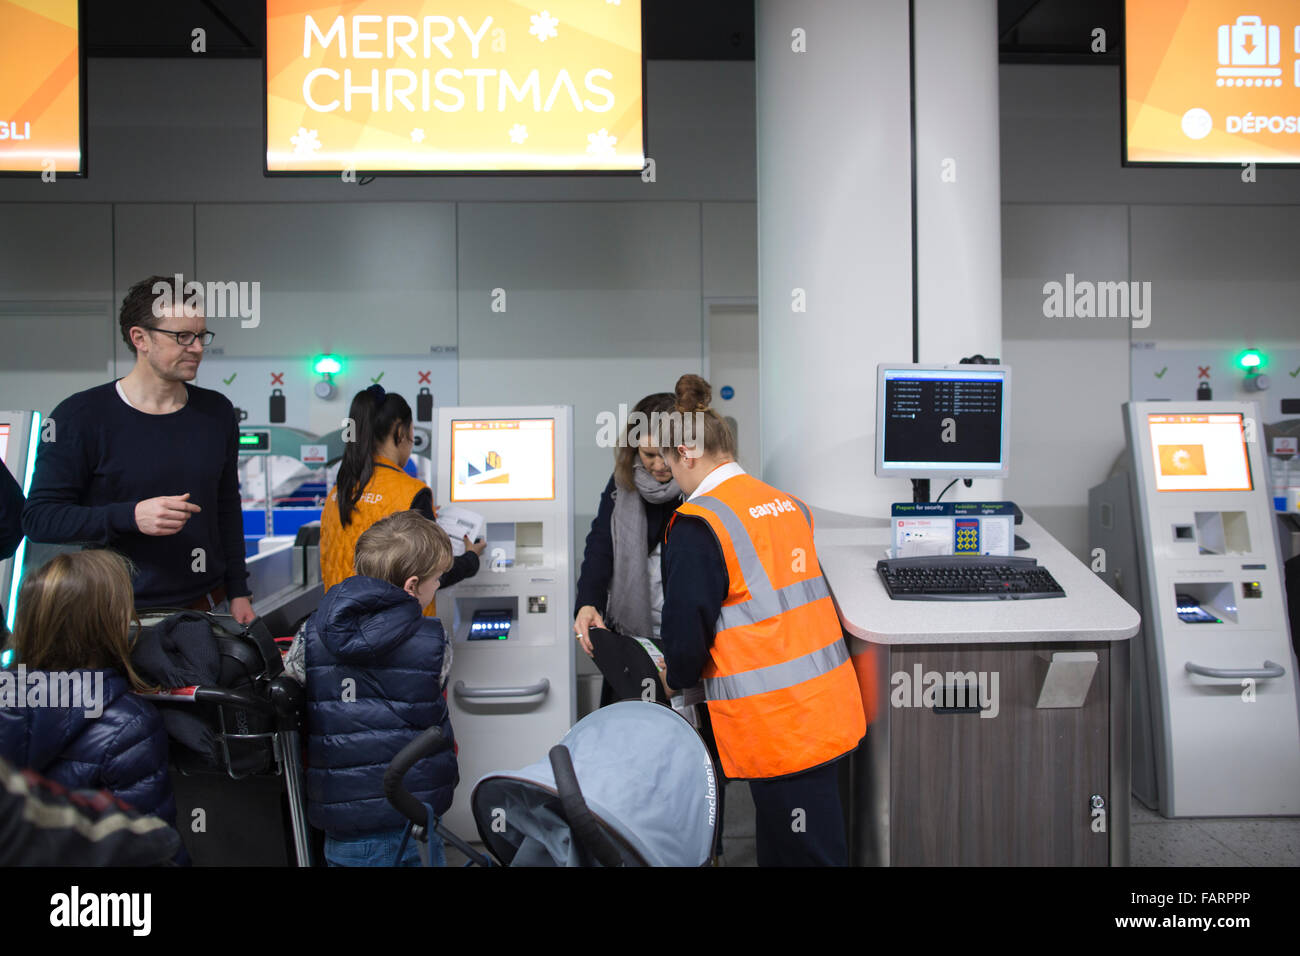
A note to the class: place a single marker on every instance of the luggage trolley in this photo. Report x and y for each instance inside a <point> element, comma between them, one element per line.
<point>250,719</point>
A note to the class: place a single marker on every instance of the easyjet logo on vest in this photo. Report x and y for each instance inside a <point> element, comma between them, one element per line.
<point>774,507</point>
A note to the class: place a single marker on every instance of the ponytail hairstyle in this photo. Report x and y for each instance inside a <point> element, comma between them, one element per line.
<point>694,424</point>
<point>376,415</point>
<point>641,422</point>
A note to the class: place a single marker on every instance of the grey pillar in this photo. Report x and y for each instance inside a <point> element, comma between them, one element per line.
<point>838,197</point>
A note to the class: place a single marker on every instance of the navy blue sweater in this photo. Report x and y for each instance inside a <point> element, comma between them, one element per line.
<point>695,585</point>
<point>372,635</point>
<point>106,457</point>
<point>123,750</point>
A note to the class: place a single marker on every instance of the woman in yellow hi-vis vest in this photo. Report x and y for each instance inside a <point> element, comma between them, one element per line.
<point>747,611</point>
<point>372,484</point>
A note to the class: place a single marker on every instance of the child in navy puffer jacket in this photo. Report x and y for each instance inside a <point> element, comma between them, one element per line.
<point>375,674</point>
<point>67,710</point>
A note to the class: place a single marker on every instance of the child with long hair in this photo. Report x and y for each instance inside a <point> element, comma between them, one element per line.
<point>67,710</point>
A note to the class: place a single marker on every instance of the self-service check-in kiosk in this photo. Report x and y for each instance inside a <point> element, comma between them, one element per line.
<point>512,686</point>
<point>19,434</point>
<point>1187,537</point>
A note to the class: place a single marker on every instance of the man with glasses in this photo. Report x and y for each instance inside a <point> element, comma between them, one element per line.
<point>147,465</point>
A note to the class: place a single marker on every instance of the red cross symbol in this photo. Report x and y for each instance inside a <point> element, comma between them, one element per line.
<point>277,378</point>
<point>1204,371</point>
<point>424,378</point>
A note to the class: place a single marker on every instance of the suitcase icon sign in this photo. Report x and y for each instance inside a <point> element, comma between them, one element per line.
<point>1249,43</point>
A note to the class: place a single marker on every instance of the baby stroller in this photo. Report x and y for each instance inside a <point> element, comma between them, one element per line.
<point>233,720</point>
<point>629,785</point>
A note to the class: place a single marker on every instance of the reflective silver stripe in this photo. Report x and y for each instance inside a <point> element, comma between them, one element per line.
<point>764,601</point>
<point>804,508</point>
<point>777,676</point>
<point>751,567</point>
<point>773,603</point>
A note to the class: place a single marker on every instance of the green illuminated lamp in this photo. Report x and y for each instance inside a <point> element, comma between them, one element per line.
<point>1252,360</point>
<point>326,366</point>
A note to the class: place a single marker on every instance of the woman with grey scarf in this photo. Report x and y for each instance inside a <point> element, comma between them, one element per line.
<point>620,586</point>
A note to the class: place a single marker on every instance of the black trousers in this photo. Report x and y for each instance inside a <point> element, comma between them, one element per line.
<point>799,820</point>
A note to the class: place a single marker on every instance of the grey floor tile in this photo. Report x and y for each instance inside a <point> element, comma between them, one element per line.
<point>1179,843</point>
<point>738,813</point>
<point>1143,814</point>
<point>739,851</point>
<point>1270,841</point>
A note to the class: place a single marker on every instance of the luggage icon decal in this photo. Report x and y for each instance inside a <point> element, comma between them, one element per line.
<point>1249,52</point>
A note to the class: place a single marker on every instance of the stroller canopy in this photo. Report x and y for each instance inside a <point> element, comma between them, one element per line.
<point>644,773</point>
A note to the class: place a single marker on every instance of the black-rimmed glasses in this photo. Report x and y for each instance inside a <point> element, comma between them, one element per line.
<point>186,339</point>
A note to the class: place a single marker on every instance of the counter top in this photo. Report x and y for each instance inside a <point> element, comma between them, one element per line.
<point>849,548</point>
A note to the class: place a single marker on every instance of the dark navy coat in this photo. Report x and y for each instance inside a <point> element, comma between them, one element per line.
<point>124,750</point>
<point>374,634</point>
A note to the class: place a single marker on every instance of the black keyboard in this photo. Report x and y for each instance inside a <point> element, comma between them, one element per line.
<point>976,577</point>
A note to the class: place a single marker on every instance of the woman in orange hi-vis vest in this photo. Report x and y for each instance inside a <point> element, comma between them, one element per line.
<point>748,613</point>
<point>372,484</point>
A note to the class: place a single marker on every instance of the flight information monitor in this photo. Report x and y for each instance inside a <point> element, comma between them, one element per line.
<point>935,421</point>
<point>503,460</point>
<point>1199,452</point>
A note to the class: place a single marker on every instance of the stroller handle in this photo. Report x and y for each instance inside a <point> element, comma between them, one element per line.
<point>211,695</point>
<point>426,745</point>
<point>235,698</point>
<point>581,820</point>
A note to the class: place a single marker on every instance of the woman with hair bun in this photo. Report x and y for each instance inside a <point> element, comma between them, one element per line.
<point>372,484</point>
<point>748,613</point>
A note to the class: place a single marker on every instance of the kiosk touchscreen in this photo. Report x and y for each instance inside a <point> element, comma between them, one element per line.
<point>512,686</point>
<point>19,434</point>
<point>1188,538</point>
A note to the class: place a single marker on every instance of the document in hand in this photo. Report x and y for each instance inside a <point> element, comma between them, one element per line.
<point>459,522</point>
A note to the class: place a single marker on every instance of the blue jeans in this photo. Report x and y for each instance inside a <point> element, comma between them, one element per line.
<point>378,848</point>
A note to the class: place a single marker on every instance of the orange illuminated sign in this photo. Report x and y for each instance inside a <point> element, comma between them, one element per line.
<point>454,86</point>
<point>40,88</point>
<point>1209,81</point>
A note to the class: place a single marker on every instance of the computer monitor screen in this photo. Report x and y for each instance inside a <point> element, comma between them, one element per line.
<point>1199,452</point>
<point>942,421</point>
<point>503,460</point>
